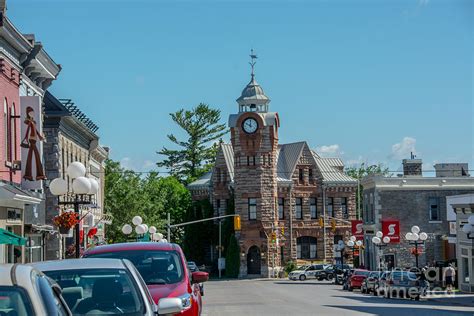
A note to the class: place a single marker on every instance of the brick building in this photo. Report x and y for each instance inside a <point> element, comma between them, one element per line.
<point>413,199</point>
<point>277,188</point>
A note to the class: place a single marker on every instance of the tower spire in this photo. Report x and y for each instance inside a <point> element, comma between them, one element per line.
<point>253,61</point>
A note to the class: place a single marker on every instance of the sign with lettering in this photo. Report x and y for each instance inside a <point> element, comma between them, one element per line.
<point>357,229</point>
<point>391,228</point>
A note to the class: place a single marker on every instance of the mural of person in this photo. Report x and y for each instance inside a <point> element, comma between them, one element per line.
<point>32,136</point>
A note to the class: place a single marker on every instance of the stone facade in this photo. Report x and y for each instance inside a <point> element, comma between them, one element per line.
<point>266,179</point>
<point>409,201</point>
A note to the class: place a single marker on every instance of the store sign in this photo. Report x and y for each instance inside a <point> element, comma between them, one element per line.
<point>32,171</point>
<point>357,229</point>
<point>391,228</point>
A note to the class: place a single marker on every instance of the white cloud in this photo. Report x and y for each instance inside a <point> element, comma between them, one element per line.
<point>137,165</point>
<point>403,149</point>
<point>330,150</point>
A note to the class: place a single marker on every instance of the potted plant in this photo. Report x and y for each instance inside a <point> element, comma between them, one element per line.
<point>65,222</point>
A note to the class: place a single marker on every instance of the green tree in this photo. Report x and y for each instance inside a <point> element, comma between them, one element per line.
<point>232,260</point>
<point>195,155</point>
<point>363,171</point>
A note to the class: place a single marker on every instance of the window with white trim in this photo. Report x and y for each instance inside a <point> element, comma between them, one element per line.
<point>299,208</point>
<point>252,205</point>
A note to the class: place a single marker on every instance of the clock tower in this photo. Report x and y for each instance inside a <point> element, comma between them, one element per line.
<point>254,137</point>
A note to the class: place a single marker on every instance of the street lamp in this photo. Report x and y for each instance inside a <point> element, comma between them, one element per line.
<point>141,229</point>
<point>380,242</point>
<point>354,243</point>
<point>83,189</point>
<point>468,228</point>
<point>416,238</point>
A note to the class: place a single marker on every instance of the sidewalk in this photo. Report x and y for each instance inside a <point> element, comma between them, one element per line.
<point>459,299</point>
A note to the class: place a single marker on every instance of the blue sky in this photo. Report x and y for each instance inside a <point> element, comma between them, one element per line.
<point>364,80</point>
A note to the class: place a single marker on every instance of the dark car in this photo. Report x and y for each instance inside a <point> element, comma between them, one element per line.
<point>163,268</point>
<point>402,284</point>
<point>379,284</point>
<point>368,285</point>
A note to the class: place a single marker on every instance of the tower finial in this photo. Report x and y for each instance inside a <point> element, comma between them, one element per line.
<point>253,56</point>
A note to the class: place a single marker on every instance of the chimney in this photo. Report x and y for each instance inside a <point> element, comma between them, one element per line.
<point>452,170</point>
<point>412,167</point>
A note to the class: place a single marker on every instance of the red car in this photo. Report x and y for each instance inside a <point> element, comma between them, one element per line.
<point>164,269</point>
<point>357,278</point>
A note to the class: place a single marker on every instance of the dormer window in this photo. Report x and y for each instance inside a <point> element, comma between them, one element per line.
<point>253,107</point>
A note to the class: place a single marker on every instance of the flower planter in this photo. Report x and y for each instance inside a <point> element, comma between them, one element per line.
<point>64,230</point>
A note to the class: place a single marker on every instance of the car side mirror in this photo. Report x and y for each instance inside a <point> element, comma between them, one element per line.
<point>199,277</point>
<point>169,305</point>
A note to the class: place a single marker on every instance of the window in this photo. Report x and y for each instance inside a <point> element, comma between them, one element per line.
<point>218,206</point>
<point>306,247</point>
<point>281,203</point>
<point>54,305</point>
<point>310,174</point>
<point>252,208</point>
<point>15,299</point>
<point>299,209</point>
<point>218,175</point>
<point>253,160</point>
<point>13,145</point>
<point>5,130</point>
<point>301,175</point>
<point>264,160</point>
<point>312,208</point>
<point>248,161</point>
<point>330,211</point>
<point>434,209</point>
<point>345,213</point>
<point>337,238</point>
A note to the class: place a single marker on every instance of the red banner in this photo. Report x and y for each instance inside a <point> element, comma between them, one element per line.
<point>391,228</point>
<point>357,229</point>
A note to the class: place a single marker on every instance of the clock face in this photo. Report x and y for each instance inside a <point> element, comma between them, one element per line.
<point>250,125</point>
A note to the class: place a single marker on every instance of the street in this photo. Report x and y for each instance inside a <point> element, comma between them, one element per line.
<point>283,297</point>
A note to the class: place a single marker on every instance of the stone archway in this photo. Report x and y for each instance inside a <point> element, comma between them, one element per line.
<point>254,261</point>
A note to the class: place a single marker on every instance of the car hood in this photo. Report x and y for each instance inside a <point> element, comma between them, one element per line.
<point>298,271</point>
<point>159,291</point>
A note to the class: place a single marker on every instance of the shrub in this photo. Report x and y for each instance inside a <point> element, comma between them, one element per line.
<point>232,263</point>
<point>290,266</point>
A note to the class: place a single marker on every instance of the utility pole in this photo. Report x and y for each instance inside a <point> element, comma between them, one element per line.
<point>324,220</point>
<point>220,249</point>
<point>169,228</point>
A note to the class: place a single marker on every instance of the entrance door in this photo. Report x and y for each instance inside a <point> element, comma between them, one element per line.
<point>253,260</point>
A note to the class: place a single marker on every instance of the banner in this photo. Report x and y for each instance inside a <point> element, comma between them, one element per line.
<point>32,171</point>
<point>391,228</point>
<point>357,229</point>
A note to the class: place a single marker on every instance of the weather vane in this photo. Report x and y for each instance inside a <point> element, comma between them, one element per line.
<point>253,56</point>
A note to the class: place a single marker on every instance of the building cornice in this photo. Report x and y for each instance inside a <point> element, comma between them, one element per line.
<point>418,183</point>
<point>14,37</point>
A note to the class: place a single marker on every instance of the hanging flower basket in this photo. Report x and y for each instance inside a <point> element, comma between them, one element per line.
<point>65,222</point>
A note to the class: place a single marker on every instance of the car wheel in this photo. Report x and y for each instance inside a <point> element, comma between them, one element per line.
<point>350,288</point>
<point>363,290</point>
<point>329,277</point>
<point>417,298</point>
<point>302,277</point>
<point>375,292</point>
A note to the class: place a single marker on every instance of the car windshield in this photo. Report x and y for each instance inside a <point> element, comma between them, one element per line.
<point>359,272</point>
<point>303,267</point>
<point>374,274</point>
<point>319,267</point>
<point>155,267</point>
<point>99,291</point>
<point>404,276</point>
<point>14,301</point>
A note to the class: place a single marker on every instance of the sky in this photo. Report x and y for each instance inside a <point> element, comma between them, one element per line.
<point>366,81</point>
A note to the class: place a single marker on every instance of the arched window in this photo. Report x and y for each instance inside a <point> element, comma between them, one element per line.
<point>306,247</point>
<point>13,144</point>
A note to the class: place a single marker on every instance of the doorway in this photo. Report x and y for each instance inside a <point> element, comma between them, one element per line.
<point>253,261</point>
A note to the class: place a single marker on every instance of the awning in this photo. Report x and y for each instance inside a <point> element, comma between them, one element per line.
<point>12,196</point>
<point>9,238</point>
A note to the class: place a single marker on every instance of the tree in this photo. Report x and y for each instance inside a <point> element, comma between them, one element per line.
<point>128,194</point>
<point>363,171</point>
<point>197,153</point>
<point>232,260</point>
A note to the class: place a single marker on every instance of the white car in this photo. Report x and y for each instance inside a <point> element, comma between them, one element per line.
<point>25,291</point>
<point>305,272</point>
<point>105,286</point>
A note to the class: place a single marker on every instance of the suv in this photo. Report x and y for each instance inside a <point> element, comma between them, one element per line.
<point>314,271</point>
<point>163,267</point>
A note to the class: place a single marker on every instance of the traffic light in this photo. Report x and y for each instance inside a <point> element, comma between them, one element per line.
<point>333,225</point>
<point>274,237</point>
<point>321,222</point>
<point>237,223</point>
<point>282,230</point>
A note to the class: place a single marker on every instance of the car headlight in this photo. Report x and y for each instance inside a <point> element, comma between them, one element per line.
<point>186,300</point>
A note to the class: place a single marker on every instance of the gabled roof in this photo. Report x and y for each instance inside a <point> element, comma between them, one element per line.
<point>330,169</point>
<point>287,158</point>
<point>201,183</point>
<point>228,152</point>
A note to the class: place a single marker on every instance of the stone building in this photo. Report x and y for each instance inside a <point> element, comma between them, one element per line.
<point>412,200</point>
<point>71,137</point>
<point>280,189</point>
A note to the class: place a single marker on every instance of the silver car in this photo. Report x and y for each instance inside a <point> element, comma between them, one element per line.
<point>25,291</point>
<point>105,286</point>
<point>307,272</point>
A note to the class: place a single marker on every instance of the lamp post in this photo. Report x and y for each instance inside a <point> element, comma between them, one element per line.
<point>142,229</point>
<point>354,243</point>
<point>341,247</point>
<point>83,189</point>
<point>380,241</point>
<point>416,238</point>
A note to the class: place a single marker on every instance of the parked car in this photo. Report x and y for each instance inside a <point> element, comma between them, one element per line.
<point>379,284</point>
<point>356,279</point>
<point>26,291</point>
<point>368,285</point>
<point>194,268</point>
<point>103,286</point>
<point>163,267</point>
<point>403,284</point>
<point>307,272</point>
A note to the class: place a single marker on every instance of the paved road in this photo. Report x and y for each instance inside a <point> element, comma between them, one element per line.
<point>268,297</point>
